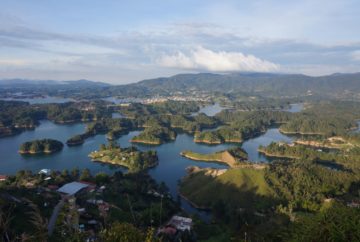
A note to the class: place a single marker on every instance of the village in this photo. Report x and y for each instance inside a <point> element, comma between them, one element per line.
<point>76,202</point>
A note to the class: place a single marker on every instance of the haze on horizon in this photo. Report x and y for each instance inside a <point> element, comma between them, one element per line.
<point>122,42</point>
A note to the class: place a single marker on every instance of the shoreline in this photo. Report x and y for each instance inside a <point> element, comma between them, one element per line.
<point>275,155</point>
<point>118,164</point>
<point>146,142</point>
<point>297,132</point>
<point>220,161</point>
<point>37,153</point>
<point>218,142</point>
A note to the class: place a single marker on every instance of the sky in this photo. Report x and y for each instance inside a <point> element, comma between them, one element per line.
<point>127,41</point>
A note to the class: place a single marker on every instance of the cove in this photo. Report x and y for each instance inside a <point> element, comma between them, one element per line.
<point>171,166</point>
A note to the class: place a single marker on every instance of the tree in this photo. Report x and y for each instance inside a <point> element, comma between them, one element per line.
<point>85,175</point>
<point>122,232</point>
<point>75,173</point>
<point>334,223</point>
<point>102,147</point>
<point>101,178</point>
<point>65,173</point>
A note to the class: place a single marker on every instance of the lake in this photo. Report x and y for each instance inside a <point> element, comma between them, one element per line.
<point>295,107</point>
<point>210,110</point>
<point>41,100</point>
<point>171,166</point>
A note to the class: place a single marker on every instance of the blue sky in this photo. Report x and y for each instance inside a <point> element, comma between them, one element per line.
<point>126,41</point>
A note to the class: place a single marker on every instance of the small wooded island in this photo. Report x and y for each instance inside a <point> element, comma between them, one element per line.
<point>76,140</point>
<point>231,157</point>
<point>130,157</point>
<point>43,146</point>
<point>155,136</point>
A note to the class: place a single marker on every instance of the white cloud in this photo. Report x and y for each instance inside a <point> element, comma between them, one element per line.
<point>205,59</point>
<point>12,62</point>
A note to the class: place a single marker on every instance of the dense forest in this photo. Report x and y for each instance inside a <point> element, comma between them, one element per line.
<point>16,116</point>
<point>131,157</point>
<point>45,146</point>
<point>280,201</point>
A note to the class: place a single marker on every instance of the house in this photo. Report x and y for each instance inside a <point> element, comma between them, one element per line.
<point>90,185</point>
<point>45,171</point>
<point>53,187</point>
<point>353,204</point>
<point>181,223</point>
<point>169,230</point>
<point>3,178</point>
<point>72,188</point>
<point>81,210</point>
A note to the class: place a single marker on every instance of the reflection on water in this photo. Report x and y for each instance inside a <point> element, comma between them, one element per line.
<point>171,166</point>
<point>271,135</point>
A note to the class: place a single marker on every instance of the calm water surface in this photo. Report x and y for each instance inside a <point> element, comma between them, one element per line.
<point>40,100</point>
<point>210,110</point>
<point>296,107</point>
<point>171,166</point>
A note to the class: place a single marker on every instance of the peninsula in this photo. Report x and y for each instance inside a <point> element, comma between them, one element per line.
<point>130,157</point>
<point>231,157</point>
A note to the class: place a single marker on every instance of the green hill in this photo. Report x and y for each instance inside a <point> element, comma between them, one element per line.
<point>241,187</point>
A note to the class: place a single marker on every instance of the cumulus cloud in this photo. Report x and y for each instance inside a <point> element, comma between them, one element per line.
<point>206,59</point>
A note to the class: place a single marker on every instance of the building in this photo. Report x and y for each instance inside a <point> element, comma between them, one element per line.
<point>3,178</point>
<point>72,188</point>
<point>45,171</point>
<point>181,223</point>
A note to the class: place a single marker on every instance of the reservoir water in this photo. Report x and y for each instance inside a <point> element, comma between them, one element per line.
<point>171,166</point>
<point>210,110</point>
<point>41,100</point>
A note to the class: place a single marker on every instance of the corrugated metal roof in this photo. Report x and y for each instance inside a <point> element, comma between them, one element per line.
<point>72,188</point>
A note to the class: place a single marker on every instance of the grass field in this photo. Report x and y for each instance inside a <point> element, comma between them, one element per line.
<point>242,187</point>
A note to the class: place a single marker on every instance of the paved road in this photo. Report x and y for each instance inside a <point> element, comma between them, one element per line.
<point>54,215</point>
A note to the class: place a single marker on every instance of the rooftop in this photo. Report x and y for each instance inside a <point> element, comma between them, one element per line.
<point>72,188</point>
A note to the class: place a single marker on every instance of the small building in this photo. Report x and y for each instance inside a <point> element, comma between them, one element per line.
<point>72,188</point>
<point>3,178</point>
<point>45,172</point>
<point>353,204</point>
<point>90,185</point>
<point>168,229</point>
<point>81,210</point>
<point>181,223</point>
<point>53,187</point>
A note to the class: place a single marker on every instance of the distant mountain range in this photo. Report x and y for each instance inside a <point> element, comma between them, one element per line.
<point>267,84</point>
<point>25,82</point>
<point>258,83</point>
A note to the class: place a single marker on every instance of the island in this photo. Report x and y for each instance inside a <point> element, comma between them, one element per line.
<point>231,157</point>
<point>130,157</point>
<point>76,140</point>
<point>43,146</point>
<point>222,135</point>
<point>155,136</point>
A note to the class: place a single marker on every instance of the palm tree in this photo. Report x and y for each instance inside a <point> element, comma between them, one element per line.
<point>39,223</point>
